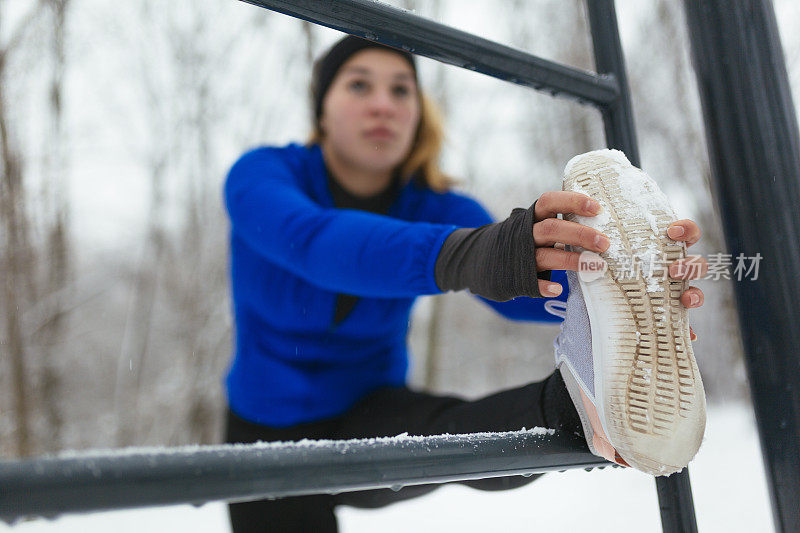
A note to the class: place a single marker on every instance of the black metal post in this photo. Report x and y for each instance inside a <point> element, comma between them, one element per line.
<point>118,479</point>
<point>754,151</point>
<point>676,503</point>
<point>402,29</point>
<point>674,492</point>
<point>609,60</point>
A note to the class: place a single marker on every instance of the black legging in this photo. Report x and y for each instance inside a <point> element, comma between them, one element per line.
<point>389,412</point>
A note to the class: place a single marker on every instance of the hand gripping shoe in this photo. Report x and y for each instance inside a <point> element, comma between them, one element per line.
<point>624,350</point>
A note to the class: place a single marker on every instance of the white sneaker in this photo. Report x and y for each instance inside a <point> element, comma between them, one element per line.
<point>624,349</point>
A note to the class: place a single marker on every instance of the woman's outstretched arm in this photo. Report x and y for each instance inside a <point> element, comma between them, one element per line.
<point>341,250</point>
<point>363,254</point>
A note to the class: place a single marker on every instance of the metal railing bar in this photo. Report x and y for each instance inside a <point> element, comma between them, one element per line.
<point>140,477</point>
<point>402,29</point>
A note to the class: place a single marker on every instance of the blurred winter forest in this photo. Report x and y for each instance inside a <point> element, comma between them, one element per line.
<point>119,120</point>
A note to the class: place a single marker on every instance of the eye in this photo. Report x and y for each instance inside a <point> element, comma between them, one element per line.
<point>401,90</point>
<point>358,86</point>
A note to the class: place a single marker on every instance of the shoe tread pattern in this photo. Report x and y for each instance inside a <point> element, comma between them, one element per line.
<point>654,390</point>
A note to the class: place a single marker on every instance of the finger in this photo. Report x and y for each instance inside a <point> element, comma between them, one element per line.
<point>684,230</point>
<point>549,288</point>
<point>552,230</point>
<point>692,298</point>
<point>690,267</point>
<point>554,259</point>
<point>552,203</point>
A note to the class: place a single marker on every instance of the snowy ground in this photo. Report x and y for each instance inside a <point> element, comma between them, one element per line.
<point>730,495</point>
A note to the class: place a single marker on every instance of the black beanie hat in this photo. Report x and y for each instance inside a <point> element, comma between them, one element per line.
<point>327,66</point>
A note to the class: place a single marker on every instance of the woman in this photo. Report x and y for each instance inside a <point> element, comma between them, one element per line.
<point>330,245</point>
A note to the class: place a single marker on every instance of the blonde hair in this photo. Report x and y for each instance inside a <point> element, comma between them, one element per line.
<point>422,162</point>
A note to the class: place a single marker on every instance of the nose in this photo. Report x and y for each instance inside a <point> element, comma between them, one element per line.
<point>382,103</point>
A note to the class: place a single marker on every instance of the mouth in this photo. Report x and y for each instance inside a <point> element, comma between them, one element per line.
<point>380,134</point>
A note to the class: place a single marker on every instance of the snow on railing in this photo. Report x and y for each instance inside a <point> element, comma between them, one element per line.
<point>98,480</point>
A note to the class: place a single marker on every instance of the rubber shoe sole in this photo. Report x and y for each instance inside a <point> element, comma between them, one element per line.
<point>649,395</point>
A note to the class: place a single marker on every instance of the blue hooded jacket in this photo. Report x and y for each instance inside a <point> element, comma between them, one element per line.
<point>292,252</point>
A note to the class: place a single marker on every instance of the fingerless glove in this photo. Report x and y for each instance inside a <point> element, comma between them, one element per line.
<point>496,261</point>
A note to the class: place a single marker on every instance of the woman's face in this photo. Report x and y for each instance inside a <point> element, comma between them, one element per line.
<point>371,111</point>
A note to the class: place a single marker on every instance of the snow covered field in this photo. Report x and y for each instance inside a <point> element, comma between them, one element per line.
<point>728,482</point>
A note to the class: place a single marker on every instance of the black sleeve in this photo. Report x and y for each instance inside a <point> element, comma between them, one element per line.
<point>496,261</point>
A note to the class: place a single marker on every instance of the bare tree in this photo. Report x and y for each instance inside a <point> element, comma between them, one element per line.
<point>19,252</point>
<point>178,331</point>
<point>309,41</point>
<point>56,252</point>
<point>196,281</point>
<point>137,337</point>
